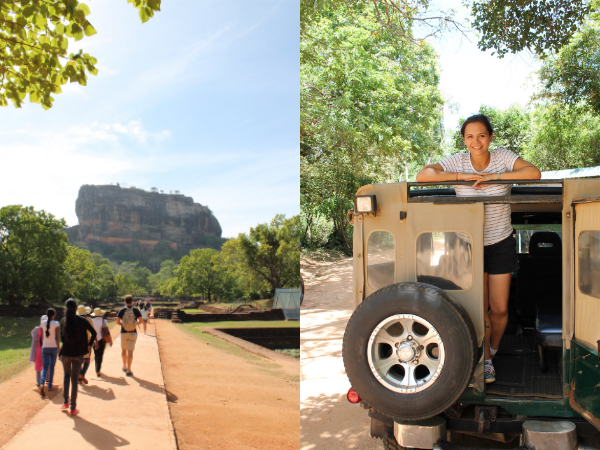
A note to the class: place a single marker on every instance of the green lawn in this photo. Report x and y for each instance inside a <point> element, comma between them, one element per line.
<point>248,324</point>
<point>193,311</point>
<point>15,344</point>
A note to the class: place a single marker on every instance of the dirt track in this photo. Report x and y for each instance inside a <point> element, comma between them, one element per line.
<point>327,419</point>
<point>223,397</point>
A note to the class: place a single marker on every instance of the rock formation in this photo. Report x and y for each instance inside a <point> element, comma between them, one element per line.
<point>120,216</point>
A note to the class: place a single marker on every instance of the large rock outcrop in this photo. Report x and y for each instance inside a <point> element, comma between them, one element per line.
<point>120,216</point>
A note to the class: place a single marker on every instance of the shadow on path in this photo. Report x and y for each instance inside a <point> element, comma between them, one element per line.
<point>114,380</point>
<point>156,388</point>
<point>99,437</point>
<point>98,392</point>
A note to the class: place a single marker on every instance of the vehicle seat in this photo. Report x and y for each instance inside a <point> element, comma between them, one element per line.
<point>539,279</point>
<point>548,333</point>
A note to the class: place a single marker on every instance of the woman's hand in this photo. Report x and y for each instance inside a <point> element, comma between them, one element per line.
<point>479,177</point>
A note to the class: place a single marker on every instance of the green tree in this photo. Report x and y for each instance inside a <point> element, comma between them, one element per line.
<point>563,138</point>
<point>166,272</point>
<point>199,273</point>
<point>369,100</point>
<point>79,274</point>
<point>572,76</point>
<point>33,250</point>
<point>540,26</point>
<point>271,251</point>
<point>34,42</point>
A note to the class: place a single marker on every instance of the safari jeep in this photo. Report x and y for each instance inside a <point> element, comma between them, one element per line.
<point>413,348</point>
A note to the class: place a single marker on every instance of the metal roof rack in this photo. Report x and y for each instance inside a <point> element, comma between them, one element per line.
<point>536,191</point>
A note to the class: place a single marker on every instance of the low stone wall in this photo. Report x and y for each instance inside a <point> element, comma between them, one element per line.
<point>267,337</point>
<point>274,314</point>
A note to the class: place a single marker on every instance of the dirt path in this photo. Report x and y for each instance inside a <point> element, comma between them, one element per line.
<point>327,419</point>
<point>223,397</point>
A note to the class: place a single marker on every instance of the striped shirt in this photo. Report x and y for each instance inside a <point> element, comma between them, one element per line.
<point>497,216</point>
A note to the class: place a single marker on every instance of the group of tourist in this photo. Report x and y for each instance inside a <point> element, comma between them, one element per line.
<point>80,331</point>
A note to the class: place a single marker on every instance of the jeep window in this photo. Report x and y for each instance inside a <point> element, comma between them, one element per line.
<point>524,233</point>
<point>444,259</point>
<point>589,263</point>
<point>381,259</point>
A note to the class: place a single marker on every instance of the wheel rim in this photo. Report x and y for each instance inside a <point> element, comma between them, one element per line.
<point>406,353</point>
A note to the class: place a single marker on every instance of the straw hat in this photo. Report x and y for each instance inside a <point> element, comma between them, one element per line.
<point>98,312</point>
<point>88,310</point>
<point>81,310</point>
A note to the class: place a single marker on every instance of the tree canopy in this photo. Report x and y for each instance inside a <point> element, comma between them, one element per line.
<point>572,76</point>
<point>33,250</point>
<point>34,42</point>
<point>370,107</point>
<point>541,26</point>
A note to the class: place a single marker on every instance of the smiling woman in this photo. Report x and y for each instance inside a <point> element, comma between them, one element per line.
<point>500,256</point>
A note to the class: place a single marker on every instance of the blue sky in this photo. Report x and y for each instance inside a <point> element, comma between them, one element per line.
<point>471,78</point>
<point>203,99</point>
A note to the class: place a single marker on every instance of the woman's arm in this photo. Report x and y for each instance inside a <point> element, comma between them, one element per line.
<point>522,170</point>
<point>56,337</point>
<point>92,331</point>
<point>435,172</point>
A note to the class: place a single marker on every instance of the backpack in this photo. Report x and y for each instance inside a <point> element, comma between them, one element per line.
<point>129,320</point>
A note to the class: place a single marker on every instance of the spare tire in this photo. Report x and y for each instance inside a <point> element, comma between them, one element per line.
<point>409,351</point>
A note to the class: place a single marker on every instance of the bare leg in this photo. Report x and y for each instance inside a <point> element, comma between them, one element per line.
<point>499,291</point>
<point>124,358</point>
<point>129,360</point>
<point>486,318</point>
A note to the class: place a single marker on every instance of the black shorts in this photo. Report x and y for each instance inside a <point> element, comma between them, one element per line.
<point>501,257</point>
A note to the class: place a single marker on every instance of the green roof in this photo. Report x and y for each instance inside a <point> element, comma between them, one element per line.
<point>572,173</point>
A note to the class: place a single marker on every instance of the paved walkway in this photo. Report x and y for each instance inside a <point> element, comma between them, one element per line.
<point>116,411</point>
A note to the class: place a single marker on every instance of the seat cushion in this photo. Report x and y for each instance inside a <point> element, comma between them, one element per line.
<point>548,328</point>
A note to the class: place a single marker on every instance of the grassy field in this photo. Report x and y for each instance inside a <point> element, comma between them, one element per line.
<point>248,324</point>
<point>193,311</point>
<point>15,344</point>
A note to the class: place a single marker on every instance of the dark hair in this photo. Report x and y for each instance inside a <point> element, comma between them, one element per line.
<point>50,313</point>
<point>71,317</point>
<point>481,118</point>
<point>129,299</point>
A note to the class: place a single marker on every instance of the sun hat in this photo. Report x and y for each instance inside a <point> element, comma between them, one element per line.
<point>81,310</point>
<point>88,310</point>
<point>98,312</point>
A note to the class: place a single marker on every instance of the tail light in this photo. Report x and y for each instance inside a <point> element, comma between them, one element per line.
<point>352,396</point>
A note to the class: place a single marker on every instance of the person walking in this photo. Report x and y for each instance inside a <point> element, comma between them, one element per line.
<point>145,314</point>
<point>102,336</point>
<point>50,348</point>
<point>35,356</point>
<point>74,337</point>
<point>128,317</point>
<point>84,311</point>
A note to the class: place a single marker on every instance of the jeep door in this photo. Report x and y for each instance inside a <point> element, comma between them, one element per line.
<point>585,395</point>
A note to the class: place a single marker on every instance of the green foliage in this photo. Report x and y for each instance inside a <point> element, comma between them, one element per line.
<point>572,77</point>
<point>33,250</point>
<point>269,253</point>
<point>203,273</point>
<point>563,138</point>
<point>540,26</point>
<point>166,272</point>
<point>34,42</point>
<point>88,276</point>
<point>370,107</point>
<point>511,129</point>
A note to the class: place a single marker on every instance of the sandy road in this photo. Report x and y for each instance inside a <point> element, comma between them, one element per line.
<point>327,420</point>
<point>222,397</point>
